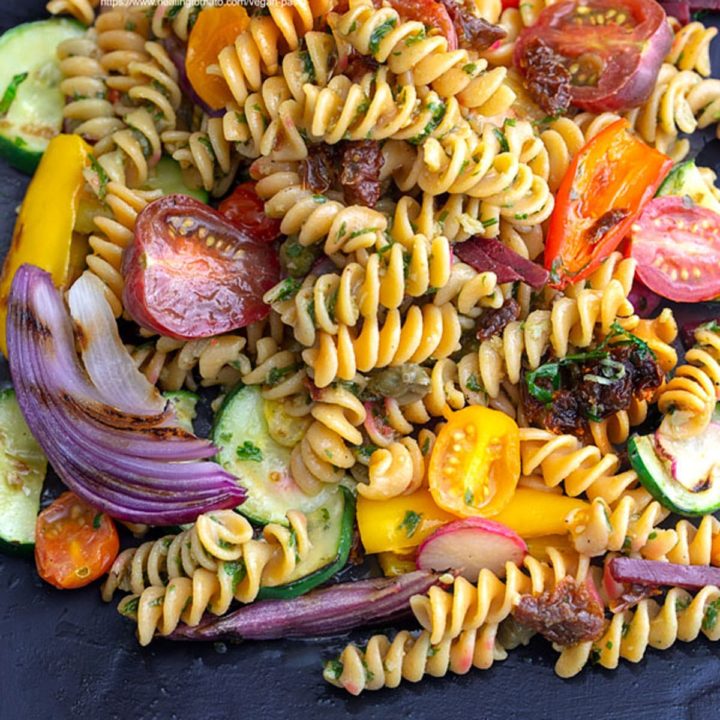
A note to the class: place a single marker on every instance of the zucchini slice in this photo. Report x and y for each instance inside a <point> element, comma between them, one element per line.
<point>330,529</point>
<point>31,104</point>
<point>168,177</point>
<point>261,464</point>
<point>685,180</point>
<point>23,466</point>
<point>185,403</point>
<point>656,475</point>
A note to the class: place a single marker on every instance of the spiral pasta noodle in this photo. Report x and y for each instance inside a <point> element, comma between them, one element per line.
<point>424,332</point>
<point>582,469</point>
<point>176,19</point>
<point>81,10</point>
<point>650,624</point>
<point>691,48</point>
<point>209,566</point>
<point>396,470</point>
<point>688,399</point>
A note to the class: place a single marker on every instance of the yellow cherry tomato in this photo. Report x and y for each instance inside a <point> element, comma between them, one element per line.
<point>215,29</point>
<point>475,463</point>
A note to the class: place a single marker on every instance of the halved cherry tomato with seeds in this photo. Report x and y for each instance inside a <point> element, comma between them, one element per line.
<point>191,274</point>
<point>677,247</point>
<point>606,186</point>
<point>475,463</point>
<point>246,210</point>
<point>612,48</point>
<point>215,29</point>
<point>74,543</point>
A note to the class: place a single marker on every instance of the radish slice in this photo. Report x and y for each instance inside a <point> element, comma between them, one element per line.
<point>470,545</point>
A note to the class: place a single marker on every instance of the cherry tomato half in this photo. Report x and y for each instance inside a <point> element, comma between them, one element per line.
<point>74,543</point>
<point>612,48</point>
<point>191,274</point>
<point>245,210</point>
<point>215,29</point>
<point>606,186</point>
<point>677,247</point>
<point>475,463</point>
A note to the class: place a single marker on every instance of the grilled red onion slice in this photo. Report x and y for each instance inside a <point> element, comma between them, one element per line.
<point>114,443</point>
<point>329,611</point>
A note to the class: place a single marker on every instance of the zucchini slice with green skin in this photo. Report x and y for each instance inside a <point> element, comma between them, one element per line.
<point>167,176</point>
<point>184,403</point>
<point>262,466</point>
<point>655,473</point>
<point>23,466</point>
<point>31,104</point>
<point>685,180</point>
<point>330,529</point>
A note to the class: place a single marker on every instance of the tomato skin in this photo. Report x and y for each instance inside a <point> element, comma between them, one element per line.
<point>245,210</point>
<point>430,13</point>
<point>613,173</point>
<point>75,544</point>
<point>677,247</point>
<point>192,274</point>
<point>475,463</point>
<point>630,55</point>
<point>215,29</point>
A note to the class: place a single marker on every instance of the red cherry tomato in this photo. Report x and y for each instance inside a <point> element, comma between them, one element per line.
<point>613,49</point>
<point>605,188</point>
<point>677,247</point>
<point>191,274</point>
<point>74,543</point>
<point>430,13</point>
<point>245,210</point>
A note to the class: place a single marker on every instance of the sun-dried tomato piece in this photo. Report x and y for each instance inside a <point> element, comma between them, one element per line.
<point>492,322</point>
<point>568,615</point>
<point>545,77</point>
<point>473,33</point>
<point>318,171</point>
<point>361,163</point>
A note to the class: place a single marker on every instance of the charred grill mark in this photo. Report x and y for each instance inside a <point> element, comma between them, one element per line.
<point>604,224</point>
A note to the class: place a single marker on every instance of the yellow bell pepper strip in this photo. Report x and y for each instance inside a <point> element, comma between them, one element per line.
<point>475,462</point>
<point>534,513</point>
<point>43,234</point>
<point>400,524</point>
<point>393,564</point>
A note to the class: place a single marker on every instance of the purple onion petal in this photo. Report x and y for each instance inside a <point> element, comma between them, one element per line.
<point>328,611</point>
<point>658,573</point>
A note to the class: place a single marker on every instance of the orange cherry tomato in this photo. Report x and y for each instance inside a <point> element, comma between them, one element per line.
<point>74,543</point>
<point>475,463</point>
<point>215,29</point>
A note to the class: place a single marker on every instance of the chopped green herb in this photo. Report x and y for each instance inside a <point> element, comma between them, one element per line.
<point>521,216</point>
<point>277,374</point>
<point>470,68</point>
<point>366,451</point>
<point>130,607</point>
<point>308,67</point>
<point>437,113</point>
<point>96,521</point>
<point>468,498</point>
<point>425,449</point>
<point>410,522</point>
<point>249,451</point>
<point>489,222</point>
<point>711,615</point>
<point>416,38</point>
<point>379,33</point>
<point>288,288</point>
<point>473,385</point>
<point>11,92</point>
<point>333,669</point>
<point>236,570</point>
<point>500,135</point>
<point>319,199</point>
<point>102,176</point>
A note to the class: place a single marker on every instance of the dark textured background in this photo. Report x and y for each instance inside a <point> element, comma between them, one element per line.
<point>66,655</point>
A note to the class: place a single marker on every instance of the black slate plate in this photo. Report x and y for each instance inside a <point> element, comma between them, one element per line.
<point>66,655</point>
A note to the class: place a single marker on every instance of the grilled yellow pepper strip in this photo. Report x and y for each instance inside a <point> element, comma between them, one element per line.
<point>43,234</point>
<point>402,523</point>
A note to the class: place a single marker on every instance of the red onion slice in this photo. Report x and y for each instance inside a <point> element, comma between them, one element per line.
<point>116,460</point>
